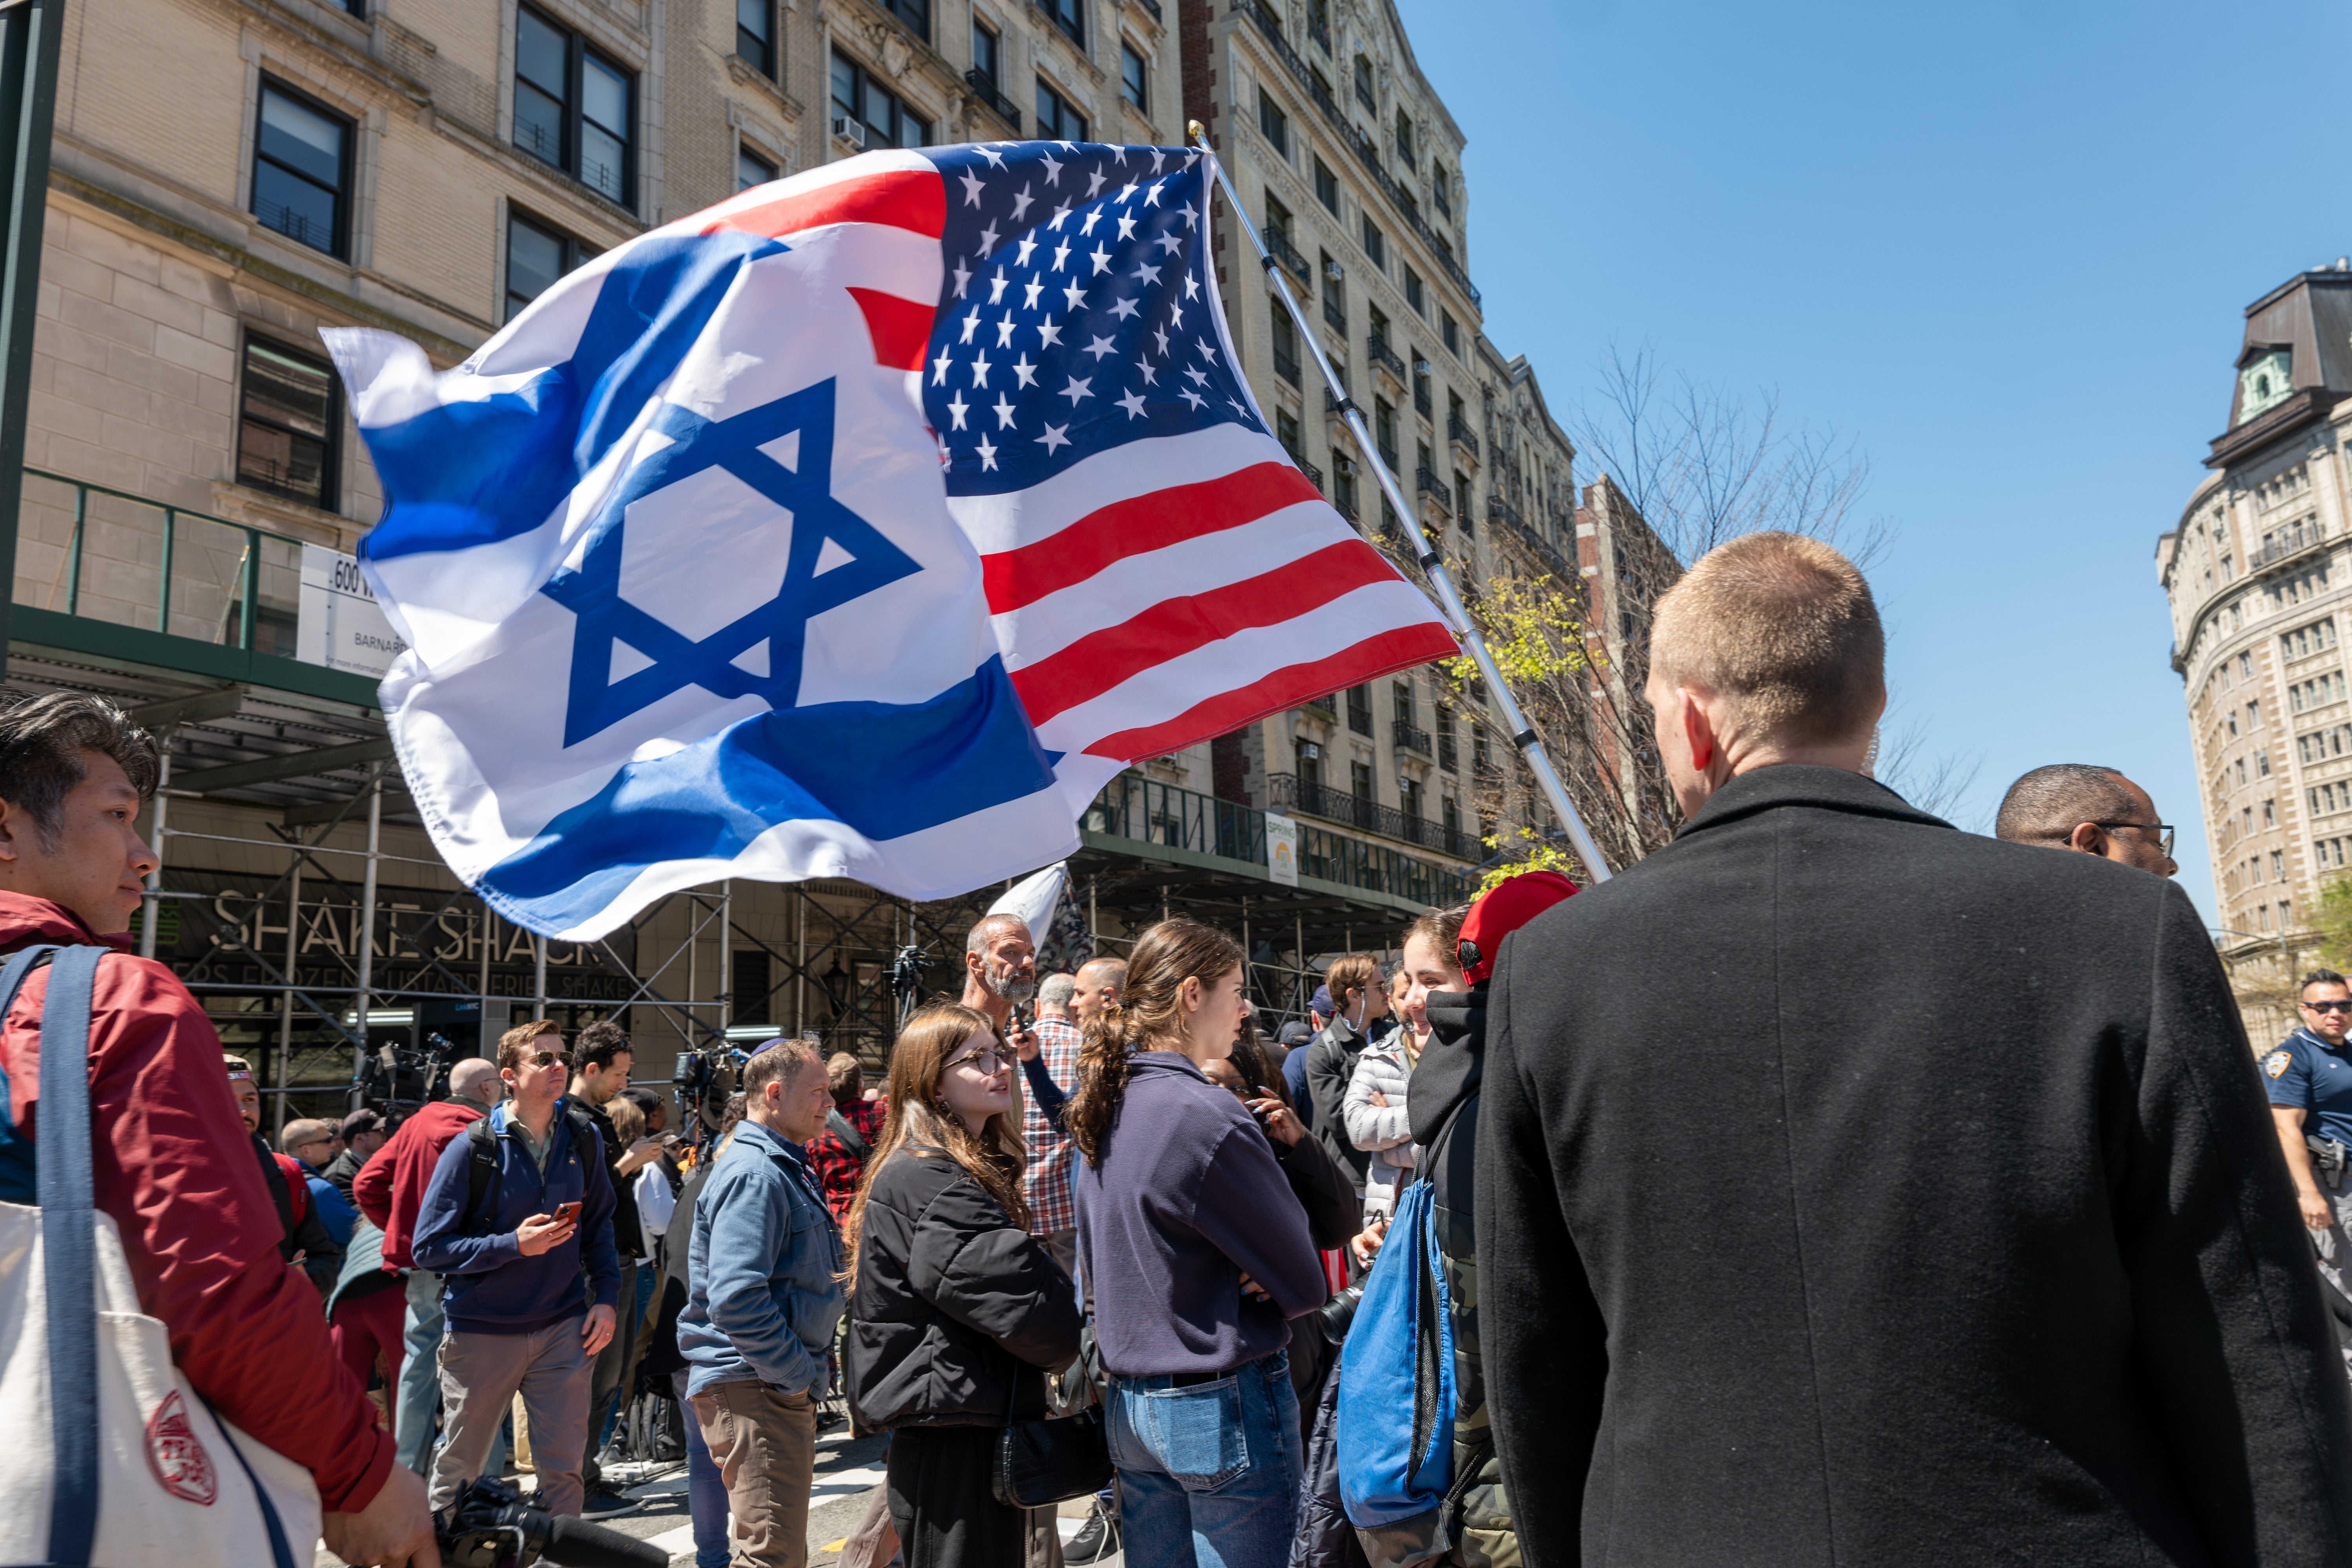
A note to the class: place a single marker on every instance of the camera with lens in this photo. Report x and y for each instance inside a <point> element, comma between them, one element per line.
<point>1334,1315</point>
<point>396,1080</point>
<point>491,1526</point>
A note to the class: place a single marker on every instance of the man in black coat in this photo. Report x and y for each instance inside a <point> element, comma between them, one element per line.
<point>1957,1233</point>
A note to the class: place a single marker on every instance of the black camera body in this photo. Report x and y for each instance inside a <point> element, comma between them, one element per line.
<point>396,1080</point>
<point>489,1526</point>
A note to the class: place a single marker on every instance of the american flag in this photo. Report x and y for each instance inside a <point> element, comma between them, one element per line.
<point>1158,570</point>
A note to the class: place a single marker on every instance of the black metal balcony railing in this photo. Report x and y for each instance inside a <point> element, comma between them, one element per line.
<point>1542,550</point>
<point>1420,390</point>
<point>1377,349</point>
<point>1277,241</point>
<point>1344,503</point>
<point>1499,511</point>
<point>1367,150</point>
<point>1285,793</point>
<point>1458,431</point>
<point>1314,475</point>
<point>1326,705</point>
<point>1411,738</point>
<point>114,555</point>
<point>1153,6</point>
<point>1144,811</point>
<point>1435,488</point>
<point>1286,360</point>
<point>985,87</point>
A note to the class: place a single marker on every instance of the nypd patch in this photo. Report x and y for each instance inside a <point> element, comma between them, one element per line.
<point>2276,1062</point>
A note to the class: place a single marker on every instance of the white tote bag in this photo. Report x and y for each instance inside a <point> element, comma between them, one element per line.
<point>112,1460</point>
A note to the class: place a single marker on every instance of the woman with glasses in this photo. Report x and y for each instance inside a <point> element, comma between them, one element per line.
<point>956,1310</point>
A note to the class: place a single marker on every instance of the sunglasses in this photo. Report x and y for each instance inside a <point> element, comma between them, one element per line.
<point>542,1059</point>
<point>2330,1006</point>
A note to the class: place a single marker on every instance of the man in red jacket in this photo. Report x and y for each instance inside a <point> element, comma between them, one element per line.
<point>387,1190</point>
<point>171,1160</point>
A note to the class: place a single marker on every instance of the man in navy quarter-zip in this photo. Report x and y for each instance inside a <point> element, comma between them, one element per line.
<point>519,1208</point>
<point>2309,1080</point>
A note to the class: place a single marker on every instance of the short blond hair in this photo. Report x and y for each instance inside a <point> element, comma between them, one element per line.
<point>517,1040</point>
<point>1783,626</point>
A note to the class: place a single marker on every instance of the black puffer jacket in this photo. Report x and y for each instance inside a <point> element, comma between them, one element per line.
<point>956,1308</point>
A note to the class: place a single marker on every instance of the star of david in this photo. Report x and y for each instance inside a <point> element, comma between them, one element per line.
<point>717,663</point>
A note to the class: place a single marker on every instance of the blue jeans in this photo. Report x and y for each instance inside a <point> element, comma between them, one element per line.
<point>417,1400</point>
<point>706,1493</point>
<point>1208,1474</point>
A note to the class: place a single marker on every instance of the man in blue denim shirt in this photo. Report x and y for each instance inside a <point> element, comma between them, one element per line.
<point>763,1304</point>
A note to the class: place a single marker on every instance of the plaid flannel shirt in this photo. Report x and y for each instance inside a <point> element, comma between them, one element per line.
<point>837,1170</point>
<point>1046,1182</point>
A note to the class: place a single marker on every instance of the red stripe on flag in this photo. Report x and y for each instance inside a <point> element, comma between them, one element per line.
<point>1135,527</point>
<point>1173,627</point>
<point>913,199</point>
<point>901,328</point>
<point>1285,688</point>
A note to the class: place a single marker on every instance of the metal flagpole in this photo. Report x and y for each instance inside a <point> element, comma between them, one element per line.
<point>1433,565</point>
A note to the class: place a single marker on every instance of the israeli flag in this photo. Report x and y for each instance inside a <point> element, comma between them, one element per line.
<point>682,592</point>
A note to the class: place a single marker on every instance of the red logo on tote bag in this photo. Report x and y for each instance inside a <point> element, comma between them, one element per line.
<point>179,1461</point>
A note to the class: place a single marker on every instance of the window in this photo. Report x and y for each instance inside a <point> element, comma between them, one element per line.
<point>1450,815</point>
<point>1071,18</point>
<point>748,984</point>
<point>1376,245</point>
<point>1478,744</point>
<point>1286,352</point>
<point>1421,402</point>
<point>1359,784</point>
<point>755,34</point>
<point>2269,814</point>
<point>915,14</point>
<point>1404,139</point>
<point>750,169</point>
<point>1359,709</point>
<point>987,53</point>
<point>1409,798</point>
<point>536,257</point>
<point>1384,430</point>
<point>1364,84</point>
<point>1319,23</point>
<point>1326,187</point>
<point>1343,485</point>
<point>1278,217</point>
<point>1057,118</point>
<point>1379,324</point>
<point>572,106</point>
<point>286,420</point>
<point>1307,758</point>
<point>1401,700</point>
<point>1462,506</point>
<point>864,102</point>
<point>1133,84</point>
<point>1451,332</point>
<point>1440,191</point>
<point>1285,430</point>
<point>1335,295</point>
<point>1273,123</point>
<point>303,170</point>
<point>1414,295</point>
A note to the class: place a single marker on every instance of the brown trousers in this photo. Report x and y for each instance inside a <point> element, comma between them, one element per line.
<point>764,1443</point>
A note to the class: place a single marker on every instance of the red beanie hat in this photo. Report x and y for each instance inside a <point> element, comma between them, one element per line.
<point>1502,910</point>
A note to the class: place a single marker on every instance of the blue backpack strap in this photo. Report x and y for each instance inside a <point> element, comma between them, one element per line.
<point>19,1184</point>
<point>281,1552</point>
<point>68,1245</point>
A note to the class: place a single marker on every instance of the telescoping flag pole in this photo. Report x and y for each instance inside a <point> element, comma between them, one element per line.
<point>1523,735</point>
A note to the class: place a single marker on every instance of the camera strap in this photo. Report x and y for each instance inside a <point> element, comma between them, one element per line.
<point>851,1138</point>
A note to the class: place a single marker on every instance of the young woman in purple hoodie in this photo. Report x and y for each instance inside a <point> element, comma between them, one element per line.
<point>1197,1256</point>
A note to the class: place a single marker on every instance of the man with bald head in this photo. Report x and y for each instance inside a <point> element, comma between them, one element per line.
<point>1967,1175</point>
<point>2090,809</point>
<point>388,1190</point>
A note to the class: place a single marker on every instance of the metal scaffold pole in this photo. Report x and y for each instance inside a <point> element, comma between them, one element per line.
<point>1433,565</point>
<point>30,31</point>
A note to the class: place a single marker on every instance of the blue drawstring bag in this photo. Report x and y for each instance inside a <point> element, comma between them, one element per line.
<point>1397,1394</point>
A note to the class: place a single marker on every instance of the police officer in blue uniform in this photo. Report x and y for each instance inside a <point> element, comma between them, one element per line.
<point>2309,1079</point>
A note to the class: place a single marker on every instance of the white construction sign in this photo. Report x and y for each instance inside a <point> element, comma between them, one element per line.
<point>340,625</point>
<point>1282,849</point>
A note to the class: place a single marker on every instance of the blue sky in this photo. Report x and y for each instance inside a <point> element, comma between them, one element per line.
<point>2005,247</point>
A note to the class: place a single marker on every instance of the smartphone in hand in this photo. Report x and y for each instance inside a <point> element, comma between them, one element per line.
<point>567,1212</point>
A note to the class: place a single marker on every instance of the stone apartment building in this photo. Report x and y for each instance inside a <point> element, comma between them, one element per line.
<point>2259,588</point>
<point>1345,157</point>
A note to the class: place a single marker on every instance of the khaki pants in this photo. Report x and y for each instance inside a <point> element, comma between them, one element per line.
<point>763,1441</point>
<point>480,1376</point>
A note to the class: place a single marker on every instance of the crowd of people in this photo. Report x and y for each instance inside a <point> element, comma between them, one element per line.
<point>1830,1185</point>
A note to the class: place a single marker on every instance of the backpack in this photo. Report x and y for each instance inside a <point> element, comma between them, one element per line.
<point>1397,1394</point>
<point>482,1167</point>
<point>851,1138</point>
<point>120,1460</point>
<point>297,1182</point>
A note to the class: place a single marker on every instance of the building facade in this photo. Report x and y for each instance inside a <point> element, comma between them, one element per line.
<point>2260,586</point>
<point>230,177</point>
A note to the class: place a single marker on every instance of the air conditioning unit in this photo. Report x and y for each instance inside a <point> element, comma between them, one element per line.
<point>1310,750</point>
<point>850,130</point>
<point>1332,270</point>
<point>1421,368</point>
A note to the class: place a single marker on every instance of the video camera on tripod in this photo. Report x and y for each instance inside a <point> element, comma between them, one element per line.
<point>489,1526</point>
<point>395,1079</point>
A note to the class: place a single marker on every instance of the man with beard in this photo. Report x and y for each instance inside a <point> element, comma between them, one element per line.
<point>1000,970</point>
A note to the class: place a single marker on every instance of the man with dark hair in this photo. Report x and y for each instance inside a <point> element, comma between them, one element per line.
<point>362,1132</point>
<point>172,1165</point>
<point>2094,810</point>
<point>601,1059</point>
<point>1357,999</point>
<point>2014,1265</point>
<point>2309,1080</point>
<point>762,1304</point>
<point>517,1221</point>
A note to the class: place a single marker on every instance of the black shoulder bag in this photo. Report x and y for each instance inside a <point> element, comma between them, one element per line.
<point>1043,1462</point>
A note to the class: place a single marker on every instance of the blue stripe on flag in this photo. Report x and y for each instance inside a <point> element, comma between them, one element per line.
<point>472,473</point>
<point>966,750</point>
